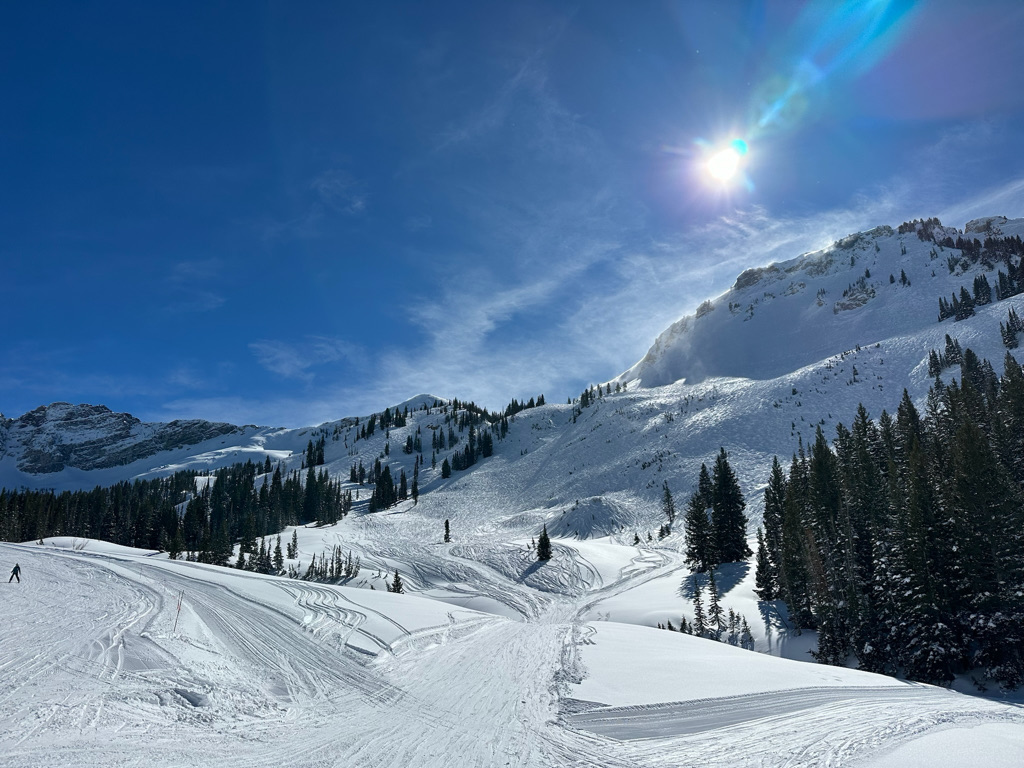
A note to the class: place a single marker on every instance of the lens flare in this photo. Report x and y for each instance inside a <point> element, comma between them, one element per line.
<point>724,164</point>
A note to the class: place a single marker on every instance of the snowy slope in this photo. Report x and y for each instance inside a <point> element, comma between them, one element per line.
<point>100,668</point>
<point>550,664</point>
<point>782,317</point>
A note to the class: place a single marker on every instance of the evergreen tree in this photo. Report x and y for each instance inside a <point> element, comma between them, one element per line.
<point>177,544</point>
<point>774,507</point>
<point>544,545</point>
<point>700,625</point>
<point>668,506</point>
<point>447,533</point>
<point>700,548</point>
<point>716,615</point>
<point>765,587</point>
<point>729,524</point>
<point>397,585</point>
<point>705,487</point>
<point>278,556</point>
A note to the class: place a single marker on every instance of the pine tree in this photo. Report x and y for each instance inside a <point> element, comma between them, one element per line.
<point>700,626</point>
<point>447,533</point>
<point>544,545</point>
<point>729,524</point>
<point>746,637</point>
<point>716,616</point>
<point>700,555</point>
<point>954,356</point>
<point>705,487</point>
<point>774,507</point>
<point>397,585</point>
<point>765,587</point>
<point>278,556</point>
<point>176,545</point>
<point>668,506</point>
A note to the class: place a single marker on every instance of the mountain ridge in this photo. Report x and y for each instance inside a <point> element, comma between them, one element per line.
<point>794,310</point>
<point>810,304</point>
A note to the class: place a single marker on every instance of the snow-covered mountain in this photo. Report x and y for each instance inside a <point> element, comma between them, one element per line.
<point>509,661</point>
<point>788,347</point>
<point>87,437</point>
<point>782,317</point>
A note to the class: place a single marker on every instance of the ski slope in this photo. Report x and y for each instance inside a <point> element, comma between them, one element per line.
<point>261,671</point>
<point>493,658</point>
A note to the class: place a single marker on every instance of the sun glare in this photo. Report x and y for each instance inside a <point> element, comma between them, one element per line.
<point>724,164</point>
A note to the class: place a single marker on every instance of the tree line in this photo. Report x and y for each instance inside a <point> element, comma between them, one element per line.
<point>198,516</point>
<point>902,542</point>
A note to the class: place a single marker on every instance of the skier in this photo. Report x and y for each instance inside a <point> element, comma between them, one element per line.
<point>14,574</point>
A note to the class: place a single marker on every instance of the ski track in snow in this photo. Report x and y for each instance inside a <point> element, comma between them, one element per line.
<point>94,675</point>
<point>270,672</point>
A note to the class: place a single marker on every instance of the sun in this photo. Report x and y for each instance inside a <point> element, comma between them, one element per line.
<point>724,164</point>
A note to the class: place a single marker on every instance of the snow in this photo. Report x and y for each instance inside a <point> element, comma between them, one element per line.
<point>992,745</point>
<point>677,667</point>
<point>493,658</point>
<point>263,671</point>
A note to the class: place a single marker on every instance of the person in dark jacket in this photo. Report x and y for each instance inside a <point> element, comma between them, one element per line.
<point>14,574</point>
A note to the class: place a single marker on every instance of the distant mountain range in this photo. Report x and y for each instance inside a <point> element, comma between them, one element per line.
<point>790,346</point>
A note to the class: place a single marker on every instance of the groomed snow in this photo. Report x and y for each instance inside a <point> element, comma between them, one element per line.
<point>494,658</point>
<point>678,667</point>
<point>100,668</point>
<point>993,745</point>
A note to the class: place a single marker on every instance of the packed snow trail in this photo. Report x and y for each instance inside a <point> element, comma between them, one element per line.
<point>686,717</point>
<point>270,672</point>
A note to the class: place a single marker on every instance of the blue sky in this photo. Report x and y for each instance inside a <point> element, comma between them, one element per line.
<point>283,213</point>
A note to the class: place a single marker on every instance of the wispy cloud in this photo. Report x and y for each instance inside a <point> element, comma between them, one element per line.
<point>333,192</point>
<point>191,286</point>
<point>339,191</point>
<point>417,223</point>
<point>295,360</point>
<point>1005,200</point>
<point>604,304</point>
<point>571,287</point>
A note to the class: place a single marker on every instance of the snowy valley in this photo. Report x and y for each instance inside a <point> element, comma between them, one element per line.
<point>117,655</point>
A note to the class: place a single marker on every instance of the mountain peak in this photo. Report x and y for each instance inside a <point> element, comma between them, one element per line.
<point>786,315</point>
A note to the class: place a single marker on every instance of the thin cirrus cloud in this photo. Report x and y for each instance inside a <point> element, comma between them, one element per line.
<point>332,192</point>
<point>606,323</point>
<point>339,191</point>
<point>191,286</point>
<point>296,360</point>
